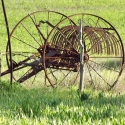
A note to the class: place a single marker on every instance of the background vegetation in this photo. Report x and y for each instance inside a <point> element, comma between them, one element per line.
<point>26,106</point>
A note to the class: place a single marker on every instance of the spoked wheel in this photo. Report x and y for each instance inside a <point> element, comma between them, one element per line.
<point>103,52</point>
<point>27,37</point>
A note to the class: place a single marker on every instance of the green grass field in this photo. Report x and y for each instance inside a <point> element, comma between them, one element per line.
<point>53,106</point>
<point>40,105</point>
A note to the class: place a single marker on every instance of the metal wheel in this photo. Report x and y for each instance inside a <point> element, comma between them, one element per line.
<point>27,37</point>
<point>103,52</point>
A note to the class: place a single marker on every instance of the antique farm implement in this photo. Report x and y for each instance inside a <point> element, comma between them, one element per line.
<point>45,48</point>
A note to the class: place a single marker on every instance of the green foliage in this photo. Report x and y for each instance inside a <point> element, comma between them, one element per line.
<point>52,106</point>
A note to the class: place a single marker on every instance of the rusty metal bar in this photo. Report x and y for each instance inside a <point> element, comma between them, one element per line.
<point>8,34</point>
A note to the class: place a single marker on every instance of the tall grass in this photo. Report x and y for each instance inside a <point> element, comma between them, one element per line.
<point>53,106</point>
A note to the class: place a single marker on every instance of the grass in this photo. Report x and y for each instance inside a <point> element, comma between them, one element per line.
<point>53,106</point>
<point>36,105</point>
<point>109,10</point>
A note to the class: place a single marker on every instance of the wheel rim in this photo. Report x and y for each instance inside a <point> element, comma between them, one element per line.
<point>103,49</point>
<point>27,37</point>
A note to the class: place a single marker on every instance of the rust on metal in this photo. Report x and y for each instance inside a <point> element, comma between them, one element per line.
<point>9,44</point>
<point>53,46</point>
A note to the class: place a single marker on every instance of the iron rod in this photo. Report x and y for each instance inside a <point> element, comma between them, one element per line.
<point>8,34</point>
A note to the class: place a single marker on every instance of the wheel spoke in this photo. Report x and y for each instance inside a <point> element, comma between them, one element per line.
<point>30,34</point>
<point>75,78</point>
<point>106,67</point>
<point>51,72</point>
<point>64,77</point>
<point>41,34</point>
<point>90,74</point>
<point>99,75</point>
<point>24,42</point>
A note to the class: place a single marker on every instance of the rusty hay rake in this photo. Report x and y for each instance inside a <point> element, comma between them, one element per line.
<point>45,48</point>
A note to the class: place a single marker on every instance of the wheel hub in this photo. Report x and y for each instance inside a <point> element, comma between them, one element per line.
<point>86,57</point>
